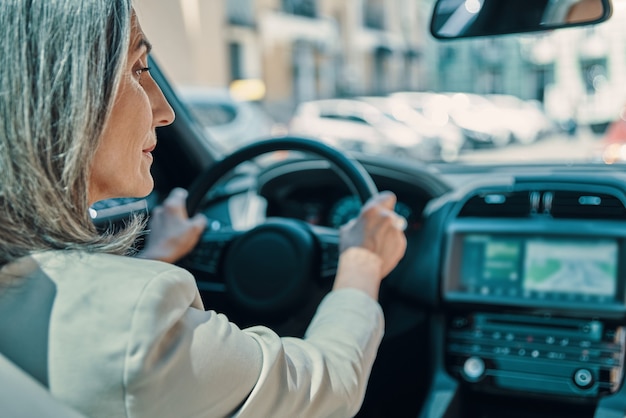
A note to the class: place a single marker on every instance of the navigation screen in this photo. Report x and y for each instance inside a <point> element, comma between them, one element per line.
<point>538,267</point>
<point>588,267</point>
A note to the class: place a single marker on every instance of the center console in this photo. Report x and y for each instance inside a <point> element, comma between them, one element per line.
<point>525,353</point>
<point>536,313</point>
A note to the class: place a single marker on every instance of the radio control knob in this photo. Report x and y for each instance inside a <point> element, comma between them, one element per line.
<point>583,378</point>
<point>473,369</point>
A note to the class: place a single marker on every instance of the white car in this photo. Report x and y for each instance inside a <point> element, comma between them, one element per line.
<point>475,116</point>
<point>232,123</point>
<point>355,125</point>
<point>526,119</point>
<point>444,137</point>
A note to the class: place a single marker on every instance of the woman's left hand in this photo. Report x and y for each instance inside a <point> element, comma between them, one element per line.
<point>172,233</point>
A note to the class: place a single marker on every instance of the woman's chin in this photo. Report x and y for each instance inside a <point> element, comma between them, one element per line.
<point>141,191</point>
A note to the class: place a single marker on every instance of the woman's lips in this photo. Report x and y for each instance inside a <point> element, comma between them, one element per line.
<point>148,151</point>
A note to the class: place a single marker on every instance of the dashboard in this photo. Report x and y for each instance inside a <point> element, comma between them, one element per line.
<point>513,286</point>
<point>331,207</point>
<point>314,193</point>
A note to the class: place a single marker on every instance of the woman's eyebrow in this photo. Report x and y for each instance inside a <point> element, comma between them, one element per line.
<point>143,42</point>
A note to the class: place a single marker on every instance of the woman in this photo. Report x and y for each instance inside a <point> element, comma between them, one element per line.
<point>112,335</point>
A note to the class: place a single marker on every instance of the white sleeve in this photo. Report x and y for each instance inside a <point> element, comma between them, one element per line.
<point>186,362</point>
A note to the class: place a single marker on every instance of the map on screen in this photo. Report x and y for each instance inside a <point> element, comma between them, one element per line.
<point>581,266</point>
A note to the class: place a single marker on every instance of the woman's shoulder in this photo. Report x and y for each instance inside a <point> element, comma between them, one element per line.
<point>108,275</point>
<point>70,265</point>
<point>107,311</point>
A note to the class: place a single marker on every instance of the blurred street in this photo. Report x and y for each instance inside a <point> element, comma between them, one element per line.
<point>584,147</point>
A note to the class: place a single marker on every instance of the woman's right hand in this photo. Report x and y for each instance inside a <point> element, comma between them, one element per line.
<point>371,245</point>
<point>173,234</point>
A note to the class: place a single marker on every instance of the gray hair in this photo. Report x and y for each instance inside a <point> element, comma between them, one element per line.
<point>61,64</point>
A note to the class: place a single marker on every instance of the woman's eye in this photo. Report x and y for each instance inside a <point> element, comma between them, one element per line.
<point>140,71</point>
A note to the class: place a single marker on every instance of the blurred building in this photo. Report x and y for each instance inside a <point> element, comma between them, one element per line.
<point>579,75</point>
<point>299,49</point>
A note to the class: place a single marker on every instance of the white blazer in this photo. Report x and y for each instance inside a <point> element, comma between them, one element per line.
<point>130,338</point>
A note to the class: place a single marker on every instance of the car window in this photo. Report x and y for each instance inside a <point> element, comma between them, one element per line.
<point>551,96</point>
<point>212,114</point>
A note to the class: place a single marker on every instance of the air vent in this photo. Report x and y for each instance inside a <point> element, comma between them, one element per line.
<point>501,205</point>
<point>581,205</point>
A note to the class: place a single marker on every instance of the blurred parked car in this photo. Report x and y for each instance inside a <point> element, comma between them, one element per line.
<point>355,125</point>
<point>478,119</point>
<point>232,123</point>
<point>446,137</point>
<point>526,119</point>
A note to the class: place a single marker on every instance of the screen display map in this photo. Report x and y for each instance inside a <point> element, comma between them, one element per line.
<point>539,267</point>
<point>588,267</point>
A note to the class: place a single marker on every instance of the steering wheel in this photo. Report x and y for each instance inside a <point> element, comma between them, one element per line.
<point>269,269</point>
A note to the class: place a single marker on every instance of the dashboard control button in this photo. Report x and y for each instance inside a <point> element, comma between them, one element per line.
<point>583,378</point>
<point>459,322</point>
<point>473,369</point>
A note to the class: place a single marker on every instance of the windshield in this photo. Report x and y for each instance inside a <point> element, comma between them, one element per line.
<point>368,77</point>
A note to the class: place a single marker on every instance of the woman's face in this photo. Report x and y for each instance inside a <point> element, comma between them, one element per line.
<point>121,166</point>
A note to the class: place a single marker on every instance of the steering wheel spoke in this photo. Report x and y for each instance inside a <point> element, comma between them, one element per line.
<point>328,239</point>
<point>207,255</point>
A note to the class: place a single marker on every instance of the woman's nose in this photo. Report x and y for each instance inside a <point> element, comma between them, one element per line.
<point>162,112</point>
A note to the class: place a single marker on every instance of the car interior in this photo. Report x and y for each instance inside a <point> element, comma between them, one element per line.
<point>511,298</point>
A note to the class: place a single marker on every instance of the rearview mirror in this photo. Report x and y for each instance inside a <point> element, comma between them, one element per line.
<point>470,18</point>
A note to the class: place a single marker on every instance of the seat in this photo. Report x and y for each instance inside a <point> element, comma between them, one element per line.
<point>23,397</point>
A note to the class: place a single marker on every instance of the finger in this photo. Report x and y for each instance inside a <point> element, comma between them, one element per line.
<point>157,211</point>
<point>349,224</point>
<point>199,221</point>
<point>175,201</point>
<point>397,221</point>
<point>385,199</point>
<point>388,199</point>
<point>178,194</point>
<point>400,222</point>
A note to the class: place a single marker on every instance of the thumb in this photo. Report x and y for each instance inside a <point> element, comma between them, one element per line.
<point>175,201</point>
<point>385,198</point>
